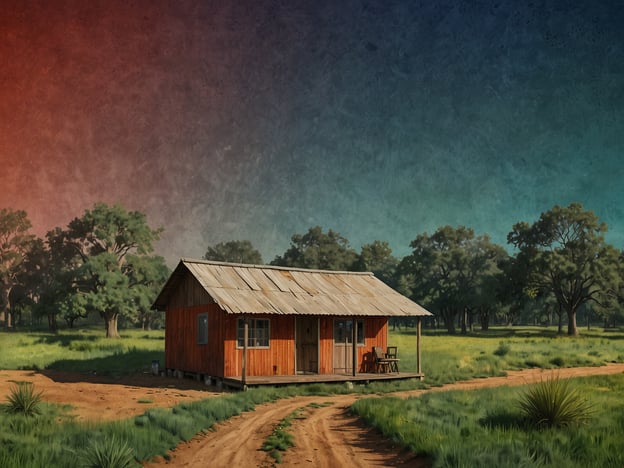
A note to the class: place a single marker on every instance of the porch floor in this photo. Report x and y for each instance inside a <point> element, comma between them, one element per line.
<point>278,380</point>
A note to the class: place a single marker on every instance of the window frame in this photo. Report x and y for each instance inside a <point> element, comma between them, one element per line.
<point>253,332</point>
<point>348,337</point>
<point>202,329</point>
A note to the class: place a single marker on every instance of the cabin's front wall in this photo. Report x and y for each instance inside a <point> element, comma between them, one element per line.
<point>277,359</point>
<point>375,334</point>
<point>280,357</point>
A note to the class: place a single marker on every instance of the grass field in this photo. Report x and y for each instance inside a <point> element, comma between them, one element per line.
<point>82,350</point>
<point>453,429</point>
<point>451,358</point>
<point>485,427</point>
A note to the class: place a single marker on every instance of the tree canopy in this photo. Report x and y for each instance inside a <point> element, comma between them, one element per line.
<point>103,262</point>
<point>446,270</point>
<point>234,252</point>
<point>110,270</point>
<point>15,243</point>
<point>318,250</point>
<point>564,252</point>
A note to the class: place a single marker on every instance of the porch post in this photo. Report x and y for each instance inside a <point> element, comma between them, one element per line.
<point>354,341</point>
<point>245,341</point>
<point>418,354</point>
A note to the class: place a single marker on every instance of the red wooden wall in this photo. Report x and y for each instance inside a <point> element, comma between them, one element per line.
<point>220,357</point>
<point>181,349</point>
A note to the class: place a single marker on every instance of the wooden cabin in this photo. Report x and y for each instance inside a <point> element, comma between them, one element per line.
<point>238,321</point>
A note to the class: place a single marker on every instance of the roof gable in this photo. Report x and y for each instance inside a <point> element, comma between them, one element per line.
<point>265,289</point>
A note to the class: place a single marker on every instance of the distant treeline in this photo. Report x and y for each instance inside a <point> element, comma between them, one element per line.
<point>103,263</point>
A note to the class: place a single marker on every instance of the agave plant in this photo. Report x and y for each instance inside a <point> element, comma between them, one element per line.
<point>554,402</point>
<point>108,453</point>
<point>23,399</point>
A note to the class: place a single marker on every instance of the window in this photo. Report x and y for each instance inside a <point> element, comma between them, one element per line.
<point>202,329</point>
<point>343,331</point>
<point>258,334</point>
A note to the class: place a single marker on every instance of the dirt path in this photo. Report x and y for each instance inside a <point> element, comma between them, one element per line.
<point>328,436</point>
<point>96,398</point>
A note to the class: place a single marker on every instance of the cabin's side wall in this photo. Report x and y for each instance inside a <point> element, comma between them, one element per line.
<point>277,359</point>
<point>375,334</point>
<point>182,351</point>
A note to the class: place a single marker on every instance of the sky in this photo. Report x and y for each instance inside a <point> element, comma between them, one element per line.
<point>258,119</point>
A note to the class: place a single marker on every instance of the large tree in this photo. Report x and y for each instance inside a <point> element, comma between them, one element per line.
<point>15,243</point>
<point>564,253</point>
<point>235,252</point>
<point>318,250</point>
<point>111,271</point>
<point>377,257</point>
<point>446,270</point>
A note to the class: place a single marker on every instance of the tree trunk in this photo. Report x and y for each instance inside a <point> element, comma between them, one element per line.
<point>464,314</point>
<point>52,325</point>
<point>7,309</point>
<point>560,324</point>
<point>572,330</point>
<point>449,320</point>
<point>484,318</point>
<point>110,319</point>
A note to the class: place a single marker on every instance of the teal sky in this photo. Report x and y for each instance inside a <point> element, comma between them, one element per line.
<point>378,119</point>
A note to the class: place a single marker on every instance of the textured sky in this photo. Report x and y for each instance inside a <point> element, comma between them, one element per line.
<point>258,119</point>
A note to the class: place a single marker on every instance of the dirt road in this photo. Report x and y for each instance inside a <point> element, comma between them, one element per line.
<point>326,435</point>
<point>99,398</point>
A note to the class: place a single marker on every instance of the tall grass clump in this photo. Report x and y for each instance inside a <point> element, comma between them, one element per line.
<point>22,399</point>
<point>503,349</point>
<point>554,402</point>
<point>108,453</point>
<point>280,439</point>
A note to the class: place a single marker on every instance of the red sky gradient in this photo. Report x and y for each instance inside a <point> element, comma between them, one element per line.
<point>258,119</point>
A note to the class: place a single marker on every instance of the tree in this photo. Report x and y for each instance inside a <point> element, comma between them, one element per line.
<point>147,275</point>
<point>318,250</point>
<point>109,270</point>
<point>446,269</point>
<point>235,252</point>
<point>15,243</point>
<point>377,257</point>
<point>565,253</point>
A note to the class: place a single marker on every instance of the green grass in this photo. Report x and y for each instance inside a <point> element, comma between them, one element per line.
<point>53,439</point>
<point>83,350</point>
<point>447,359</point>
<point>486,427</point>
<point>280,439</point>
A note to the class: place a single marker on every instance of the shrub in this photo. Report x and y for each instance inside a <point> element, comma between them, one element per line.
<point>108,453</point>
<point>502,350</point>
<point>557,361</point>
<point>554,402</point>
<point>23,399</point>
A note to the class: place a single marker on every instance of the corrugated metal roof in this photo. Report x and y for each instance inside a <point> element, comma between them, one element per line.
<point>264,289</point>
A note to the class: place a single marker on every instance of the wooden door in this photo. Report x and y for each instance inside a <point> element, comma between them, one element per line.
<point>343,346</point>
<point>307,344</point>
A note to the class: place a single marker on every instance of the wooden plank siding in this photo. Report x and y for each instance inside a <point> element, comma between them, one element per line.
<point>277,359</point>
<point>182,352</point>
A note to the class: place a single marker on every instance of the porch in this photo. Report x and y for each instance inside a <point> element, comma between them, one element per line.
<point>302,379</point>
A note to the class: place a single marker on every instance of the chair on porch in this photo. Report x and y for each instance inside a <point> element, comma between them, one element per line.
<point>381,362</point>
<point>392,357</point>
